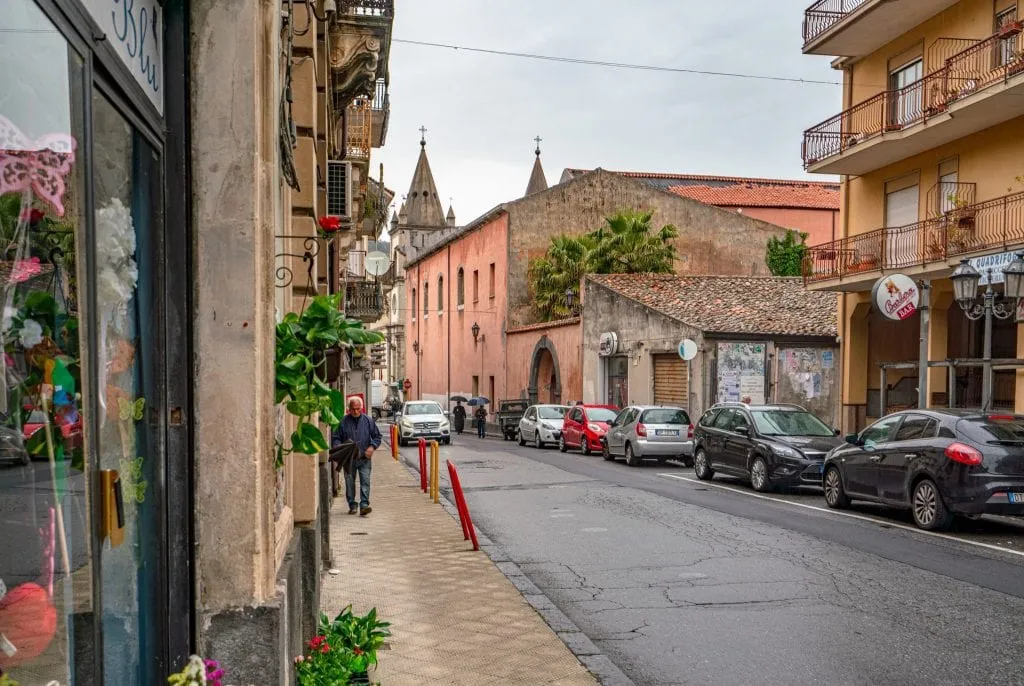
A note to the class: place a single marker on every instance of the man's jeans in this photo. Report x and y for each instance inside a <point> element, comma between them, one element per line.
<point>363,467</point>
<point>481,428</point>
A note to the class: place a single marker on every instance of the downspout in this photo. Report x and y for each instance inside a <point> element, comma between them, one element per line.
<point>847,424</point>
<point>419,379</point>
<point>451,313</point>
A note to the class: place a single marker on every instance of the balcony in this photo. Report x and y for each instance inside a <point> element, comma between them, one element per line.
<point>364,300</point>
<point>359,130</point>
<point>367,8</point>
<point>975,89</point>
<point>854,28</point>
<point>931,248</point>
<point>381,110</point>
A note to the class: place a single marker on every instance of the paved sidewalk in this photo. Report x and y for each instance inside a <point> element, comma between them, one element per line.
<point>455,618</point>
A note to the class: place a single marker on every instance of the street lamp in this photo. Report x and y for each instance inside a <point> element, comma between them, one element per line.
<point>570,295</point>
<point>476,332</point>
<point>966,280</point>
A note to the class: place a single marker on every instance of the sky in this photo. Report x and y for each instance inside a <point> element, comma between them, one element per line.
<point>482,112</point>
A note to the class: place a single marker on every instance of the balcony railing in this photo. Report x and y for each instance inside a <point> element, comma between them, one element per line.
<point>993,224</point>
<point>367,8</point>
<point>364,300</point>
<point>381,108</point>
<point>980,66</point>
<point>946,196</point>
<point>824,14</point>
<point>359,130</point>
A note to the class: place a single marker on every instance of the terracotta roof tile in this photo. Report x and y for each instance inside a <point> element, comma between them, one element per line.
<point>811,196</point>
<point>731,304</point>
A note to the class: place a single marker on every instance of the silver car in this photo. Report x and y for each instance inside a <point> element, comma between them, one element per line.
<point>542,424</point>
<point>423,419</point>
<point>649,432</point>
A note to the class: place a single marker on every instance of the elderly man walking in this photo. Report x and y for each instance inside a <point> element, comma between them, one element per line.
<point>361,430</point>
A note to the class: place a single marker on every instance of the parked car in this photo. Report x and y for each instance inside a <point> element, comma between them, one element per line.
<point>936,463</point>
<point>423,419</point>
<point>585,425</point>
<point>770,445</point>
<point>509,414</point>
<point>645,432</point>
<point>12,446</point>
<point>71,432</point>
<point>542,424</point>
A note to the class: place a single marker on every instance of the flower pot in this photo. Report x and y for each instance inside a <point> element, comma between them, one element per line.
<point>1010,30</point>
<point>966,221</point>
<point>328,364</point>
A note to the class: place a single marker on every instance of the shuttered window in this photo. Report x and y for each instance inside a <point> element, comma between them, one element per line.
<point>671,381</point>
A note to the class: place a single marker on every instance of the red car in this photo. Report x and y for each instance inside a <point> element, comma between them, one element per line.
<point>71,432</point>
<point>584,426</point>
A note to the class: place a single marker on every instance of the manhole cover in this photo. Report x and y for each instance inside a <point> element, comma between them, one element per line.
<point>359,533</point>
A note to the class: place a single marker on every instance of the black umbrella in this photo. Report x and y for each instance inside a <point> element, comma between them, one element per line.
<point>479,400</point>
<point>459,399</point>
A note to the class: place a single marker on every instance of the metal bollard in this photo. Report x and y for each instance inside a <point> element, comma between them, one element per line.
<point>394,441</point>
<point>435,472</point>
<point>423,464</point>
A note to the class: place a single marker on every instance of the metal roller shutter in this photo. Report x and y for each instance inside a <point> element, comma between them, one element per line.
<point>671,381</point>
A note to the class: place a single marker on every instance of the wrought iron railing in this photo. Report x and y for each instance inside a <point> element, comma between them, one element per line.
<point>367,8</point>
<point>381,111</point>
<point>359,129</point>
<point>364,300</point>
<point>380,96</point>
<point>946,196</point>
<point>983,64</point>
<point>824,14</point>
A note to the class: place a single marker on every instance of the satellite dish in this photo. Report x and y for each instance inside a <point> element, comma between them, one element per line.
<point>687,349</point>
<point>377,263</point>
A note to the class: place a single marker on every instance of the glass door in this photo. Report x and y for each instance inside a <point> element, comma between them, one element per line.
<point>905,83</point>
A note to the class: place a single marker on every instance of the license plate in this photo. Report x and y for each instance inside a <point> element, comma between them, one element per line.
<point>665,432</point>
<point>1016,498</point>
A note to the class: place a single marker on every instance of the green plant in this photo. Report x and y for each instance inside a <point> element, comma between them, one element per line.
<point>364,633</point>
<point>785,256</point>
<point>343,650</point>
<point>302,342</point>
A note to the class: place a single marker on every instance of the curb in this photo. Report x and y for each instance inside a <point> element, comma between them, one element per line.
<point>603,669</point>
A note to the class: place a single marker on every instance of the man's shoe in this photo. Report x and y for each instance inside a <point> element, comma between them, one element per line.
<point>365,511</point>
<point>352,510</point>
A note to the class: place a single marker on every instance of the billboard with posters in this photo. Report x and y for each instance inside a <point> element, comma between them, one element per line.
<point>741,373</point>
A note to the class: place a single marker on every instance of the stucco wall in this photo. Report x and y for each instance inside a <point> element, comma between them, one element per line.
<point>821,226</point>
<point>711,240</point>
<point>451,332</point>
<point>521,346</point>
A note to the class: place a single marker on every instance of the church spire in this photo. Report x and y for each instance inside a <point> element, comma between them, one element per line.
<point>423,209</point>
<point>538,182</point>
<point>451,215</point>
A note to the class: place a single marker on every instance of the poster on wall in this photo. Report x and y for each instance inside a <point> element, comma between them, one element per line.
<point>741,372</point>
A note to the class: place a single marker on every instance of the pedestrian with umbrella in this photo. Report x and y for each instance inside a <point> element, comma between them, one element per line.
<point>459,414</point>
<point>481,415</point>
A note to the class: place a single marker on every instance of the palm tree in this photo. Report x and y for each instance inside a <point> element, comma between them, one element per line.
<point>626,245</point>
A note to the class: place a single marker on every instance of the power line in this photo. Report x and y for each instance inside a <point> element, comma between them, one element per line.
<point>617,65</point>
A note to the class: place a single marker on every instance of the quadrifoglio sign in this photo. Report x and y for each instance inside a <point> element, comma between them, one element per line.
<point>896,297</point>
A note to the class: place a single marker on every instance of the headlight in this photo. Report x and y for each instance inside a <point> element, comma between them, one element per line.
<point>445,424</point>
<point>786,451</point>
<point>546,426</point>
<point>595,428</point>
<point>406,423</point>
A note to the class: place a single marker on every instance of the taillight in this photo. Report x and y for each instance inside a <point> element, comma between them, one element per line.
<point>964,454</point>
<point>1001,418</point>
<point>689,431</point>
<point>641,430</point>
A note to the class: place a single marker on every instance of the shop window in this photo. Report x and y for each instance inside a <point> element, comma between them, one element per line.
<point>617,380</point>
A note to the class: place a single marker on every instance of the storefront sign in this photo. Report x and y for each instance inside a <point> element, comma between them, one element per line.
<point>687,349</point>
<point>608,345</point>
<point>135,29</point>
<point>993,262</point>
<point>896,296</point>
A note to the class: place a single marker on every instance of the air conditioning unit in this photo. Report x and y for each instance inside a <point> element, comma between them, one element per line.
<point>339,189</point>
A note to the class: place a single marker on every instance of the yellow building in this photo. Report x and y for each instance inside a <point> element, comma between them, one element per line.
<point>930,150</point>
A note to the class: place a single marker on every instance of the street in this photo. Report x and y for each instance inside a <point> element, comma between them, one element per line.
<point>684,582</point>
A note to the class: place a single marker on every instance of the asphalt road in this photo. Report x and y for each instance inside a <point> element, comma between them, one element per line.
<point>684,582</point>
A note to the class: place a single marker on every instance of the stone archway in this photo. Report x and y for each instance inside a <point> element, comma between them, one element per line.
<point>545,373</point>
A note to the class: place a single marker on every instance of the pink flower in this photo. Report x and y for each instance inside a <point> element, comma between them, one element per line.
<point>300,659</point>
<point>8,360</point>
<point>24,270</point>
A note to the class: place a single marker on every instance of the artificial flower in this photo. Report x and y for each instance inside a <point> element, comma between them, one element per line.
<point>8,320</point>
<point>330,224</point>
<point>31,334</point>
<point>32,216</point>
<point>117,272</point>
<point>23,270</point>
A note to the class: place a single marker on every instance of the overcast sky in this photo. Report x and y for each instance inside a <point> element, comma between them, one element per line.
<point>483,111</point>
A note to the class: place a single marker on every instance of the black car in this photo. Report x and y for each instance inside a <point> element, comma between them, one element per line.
<point>936,463</point>
<point>771,445</point>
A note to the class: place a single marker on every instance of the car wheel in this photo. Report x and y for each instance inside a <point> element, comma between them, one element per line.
<point>631,459</point>
<point>561,444</point>
<point>930,513</point>
<point>537,443</point>
<point>26,459</point>
<point>401,443</point>
<point>701,467</point>
<point>448,441</point>
<point>759,475</point>
<point>606,453</point>
<point>585,447</point>
<point>375,413</point>
<point>522,441</point>
<point>835,494</point>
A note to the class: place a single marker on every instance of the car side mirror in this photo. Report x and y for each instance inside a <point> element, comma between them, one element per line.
<point>853,439</point>
<point>838,432</point>
<point>745,430</point>
<point>447,413</point>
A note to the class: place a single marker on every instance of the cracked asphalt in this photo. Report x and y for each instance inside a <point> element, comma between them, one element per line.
<point>681,583</point>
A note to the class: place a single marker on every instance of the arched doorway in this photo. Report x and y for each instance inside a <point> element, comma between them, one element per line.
<point>545,375</point>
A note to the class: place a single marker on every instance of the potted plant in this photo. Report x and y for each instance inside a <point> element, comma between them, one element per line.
<point>343,651</point>
<point>1010,30</point>
<point>935,250</point>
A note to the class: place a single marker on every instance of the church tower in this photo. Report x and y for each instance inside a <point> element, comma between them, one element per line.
<point>538,182</point>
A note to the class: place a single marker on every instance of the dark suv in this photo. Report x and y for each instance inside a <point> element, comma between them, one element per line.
<point>771,445</point>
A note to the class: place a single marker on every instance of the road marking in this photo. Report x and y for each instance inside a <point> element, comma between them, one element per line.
<point>851,515</point>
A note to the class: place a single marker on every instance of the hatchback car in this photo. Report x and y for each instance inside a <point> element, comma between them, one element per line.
<point>936,463</point>
<point>649,432</point>
<point>542,424</point>
<point>770,445</point>
<point>423,419</point>
<point>585,425</point>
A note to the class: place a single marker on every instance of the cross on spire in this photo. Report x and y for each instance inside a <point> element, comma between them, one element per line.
<point>423,136</point>
<point>539,141</point>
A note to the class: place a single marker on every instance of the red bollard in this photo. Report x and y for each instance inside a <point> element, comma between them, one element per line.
<point>460,502</point>
<point>423,464</point>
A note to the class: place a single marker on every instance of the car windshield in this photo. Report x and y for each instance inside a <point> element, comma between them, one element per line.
<point>1003,429</point>
<point>413,409</point>
<point>601,414</point>
<point>667,416</point>
<point>789,423</point>
<point>552,412</point>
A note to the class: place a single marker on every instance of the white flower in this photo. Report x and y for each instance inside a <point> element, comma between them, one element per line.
<point>117,272</point>
<point>9,314</point>
<point>31,333</point>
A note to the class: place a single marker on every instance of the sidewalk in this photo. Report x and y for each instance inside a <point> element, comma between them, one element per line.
<point>455,618</point>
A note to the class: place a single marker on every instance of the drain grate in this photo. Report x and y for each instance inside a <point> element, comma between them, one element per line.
<point>359,533</point>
